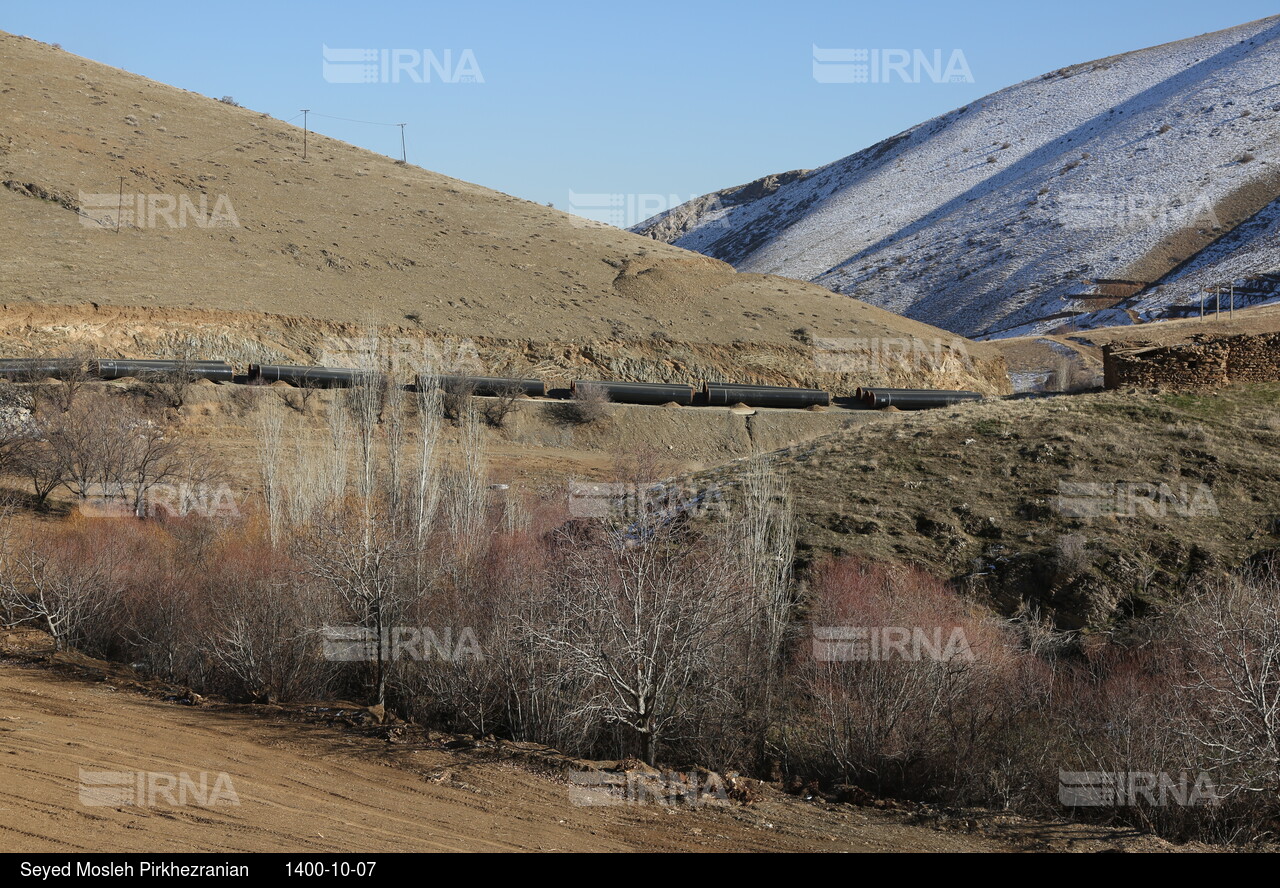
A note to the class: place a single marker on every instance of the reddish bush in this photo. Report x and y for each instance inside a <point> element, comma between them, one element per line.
<point>906,687</point>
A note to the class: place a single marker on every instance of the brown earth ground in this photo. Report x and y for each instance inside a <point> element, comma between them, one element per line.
<point>307,785</point>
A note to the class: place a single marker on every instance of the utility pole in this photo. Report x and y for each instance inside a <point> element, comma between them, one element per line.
<point>120,205</point>
<point>1233,299</point>
<point>304,132</point>
<point>404,154</point>
<point>1217,302</point>
<point>1202,303</point>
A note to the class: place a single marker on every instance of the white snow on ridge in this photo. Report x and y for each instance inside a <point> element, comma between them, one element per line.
<point>988,220</point>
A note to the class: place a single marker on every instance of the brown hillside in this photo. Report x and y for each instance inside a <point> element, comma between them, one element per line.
<point>346,237</point>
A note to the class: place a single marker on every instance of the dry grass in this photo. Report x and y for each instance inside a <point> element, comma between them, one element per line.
<point>973,493</point>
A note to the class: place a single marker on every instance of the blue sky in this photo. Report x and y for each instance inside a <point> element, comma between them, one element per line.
<point>656,98</point>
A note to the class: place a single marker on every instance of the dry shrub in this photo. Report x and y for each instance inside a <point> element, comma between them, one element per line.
<point>1070,376</point>
<point>171,388</point>
<point>920,699</point>
<point>496,408</point>
<point>263,622</point>
<point>455,398</point>
<point>589,405</point>
<point>62,582</point>
<point>1072,558</point>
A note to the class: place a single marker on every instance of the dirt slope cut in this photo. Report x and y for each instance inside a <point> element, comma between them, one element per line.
<point>1094,189</point>
<point>346,237</point>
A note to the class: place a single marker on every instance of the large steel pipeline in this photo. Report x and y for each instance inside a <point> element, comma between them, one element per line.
<point>859,393</point>
<point>218,371</point>
<point>639,392</point>
<point>713,393</point>
<point>720,394</point>
<point>914,399</point>
<point>486,385</point>
<point>36,368</point>
<point>304,376</point>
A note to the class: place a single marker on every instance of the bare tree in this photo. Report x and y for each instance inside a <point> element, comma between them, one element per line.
<point>427,482</point>
<point>360,548</point>
<point>69,367</point>
<point>174,385</point>
<point>467,491</point>
<point>101,447</point>
<point>364,565</point>
<point>766,540</point>
<point>643,629</point>
<point>44,465</point>
<point>1229,633</point>
<point>394,420</point>
<point>93,442</point>
<point>270,434</point>
<point>16,429</point>
<point>299,397</point>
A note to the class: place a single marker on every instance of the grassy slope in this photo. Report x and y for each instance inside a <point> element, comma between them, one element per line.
<point>972,492</point>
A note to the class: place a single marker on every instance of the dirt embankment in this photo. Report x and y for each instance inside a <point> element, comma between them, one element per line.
<point>536,450</point>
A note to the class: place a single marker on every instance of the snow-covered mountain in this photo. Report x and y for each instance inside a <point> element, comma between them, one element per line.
<point>1103,193</point>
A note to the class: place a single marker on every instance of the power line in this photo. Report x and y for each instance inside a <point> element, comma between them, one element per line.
<point>350,120</point>
<point>404,151</point>
<point>246,142</point>
<point>302,112</point>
